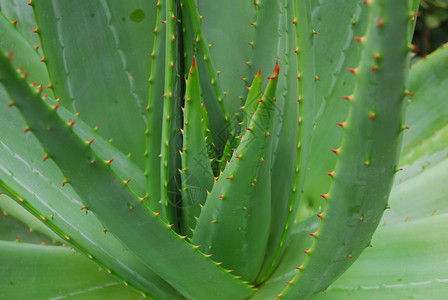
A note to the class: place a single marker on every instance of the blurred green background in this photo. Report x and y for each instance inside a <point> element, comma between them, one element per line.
<point>431,29</point>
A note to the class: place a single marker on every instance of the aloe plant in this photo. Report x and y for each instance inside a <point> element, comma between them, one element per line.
<point>256,162</point>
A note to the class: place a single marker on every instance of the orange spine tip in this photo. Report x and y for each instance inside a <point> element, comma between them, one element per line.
<point>359,39</point>
<point>336,151</point>
<point>352,70</point>
<point>379,22</point>
<point>325,196</point>
<point>348,98</point>
<point>342,124</point>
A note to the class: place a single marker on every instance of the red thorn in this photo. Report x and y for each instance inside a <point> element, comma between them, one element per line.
<point>45,157</point>
<point>127,181</point>
<point>350,256</point>
<point>372,116</point>
<point>193,64</point>
<point>361,219</point>
<point>342,124</point>
<point>367,163</point>
<point>320,215</point>
<point>289,282</point>
<point>379,22</point>
<point>359,39</point>
<point>317,78</point>
<point>414,48</point>
<point>313,234</point>
<point>348,98</point>
<point>90,142</point>
<point>230,177</point>
<point>64,182</point>
<point>314,32</point>
<point>276,71</point>
<point>331,174</point>
<point>262,159</point>
<point>352,70</point>
<point>110,160</point>
<point>307,251</point>
<point>325,196</point>
<point>72,123</point>
<point>42,59</point>
<point>171,225</point>
<point>336,151</point>
<point>299,267</point>
<point>14,22</point>
<point>409,93</point>
<point>374,68</point>
<point>253,24</point>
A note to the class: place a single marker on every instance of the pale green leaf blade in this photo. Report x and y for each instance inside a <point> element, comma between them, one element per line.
<point>97,56</point>
<point>54,272</point>
<point>407,261</point>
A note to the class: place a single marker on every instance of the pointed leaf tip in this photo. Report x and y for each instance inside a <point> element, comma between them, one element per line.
<point>276,71</point>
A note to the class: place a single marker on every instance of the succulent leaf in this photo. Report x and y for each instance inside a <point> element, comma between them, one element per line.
<point>197,173</point>
<point>233,225</point>
<point>115,205</point>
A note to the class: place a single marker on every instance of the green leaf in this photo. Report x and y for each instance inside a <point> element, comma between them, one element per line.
<point>336,24</point>
<point>407,261</point>
<point>427,115</point>
<point>420,196</point>
<point>21,12</point>
<point>39,185</point>
<point>26,55</point>
<point>234,223</point>
<point>362,179</point>
<point>115,205</point>
<point>96,54</point>
<point>197,173</point>
<point>19,223</point>
<point>48,272</point>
